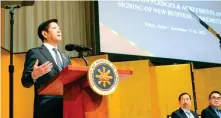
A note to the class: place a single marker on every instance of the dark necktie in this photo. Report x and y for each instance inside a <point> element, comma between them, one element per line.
<point>59,64</point>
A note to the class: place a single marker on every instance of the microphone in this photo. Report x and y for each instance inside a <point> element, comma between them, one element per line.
<point>78,48</point>
<point>210,29</point>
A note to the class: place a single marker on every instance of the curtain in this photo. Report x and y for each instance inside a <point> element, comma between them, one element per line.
<point>74,19</point>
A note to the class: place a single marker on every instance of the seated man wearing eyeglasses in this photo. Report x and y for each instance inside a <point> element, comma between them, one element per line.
<point>212,111</point>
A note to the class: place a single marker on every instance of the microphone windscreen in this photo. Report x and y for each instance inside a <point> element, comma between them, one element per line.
<point>69,47</point>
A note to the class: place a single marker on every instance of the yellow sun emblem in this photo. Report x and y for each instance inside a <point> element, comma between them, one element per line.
<point>104,77</point>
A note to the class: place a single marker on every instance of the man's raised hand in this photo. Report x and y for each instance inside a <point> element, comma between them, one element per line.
<point>39,71</point>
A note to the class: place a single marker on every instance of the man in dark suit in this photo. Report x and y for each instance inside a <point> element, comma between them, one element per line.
<point>41,65</point>
<point>184,110</point>
<point>212,111</point>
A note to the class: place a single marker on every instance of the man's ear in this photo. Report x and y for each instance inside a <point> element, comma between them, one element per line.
<point>44,34</point>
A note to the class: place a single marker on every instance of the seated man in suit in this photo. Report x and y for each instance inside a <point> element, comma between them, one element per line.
<point>184,110</point>
<point>41,65</point>
<point>212,111</point>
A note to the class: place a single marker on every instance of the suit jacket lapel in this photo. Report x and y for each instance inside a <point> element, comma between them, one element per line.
<point>48,56</point>
<point>213,111</point>
<point>194,114</point>
<point>182,113</point>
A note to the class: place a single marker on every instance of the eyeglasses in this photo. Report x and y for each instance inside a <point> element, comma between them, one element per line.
<point>216,98</point>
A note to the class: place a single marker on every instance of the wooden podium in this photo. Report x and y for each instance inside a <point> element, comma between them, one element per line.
<point>73,85</point>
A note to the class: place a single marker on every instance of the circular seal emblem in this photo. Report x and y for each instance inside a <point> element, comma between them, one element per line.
<point>103,77</point>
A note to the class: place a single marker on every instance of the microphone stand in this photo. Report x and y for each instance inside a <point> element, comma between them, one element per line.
<point>11,66</point>
<point>80,55</point>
